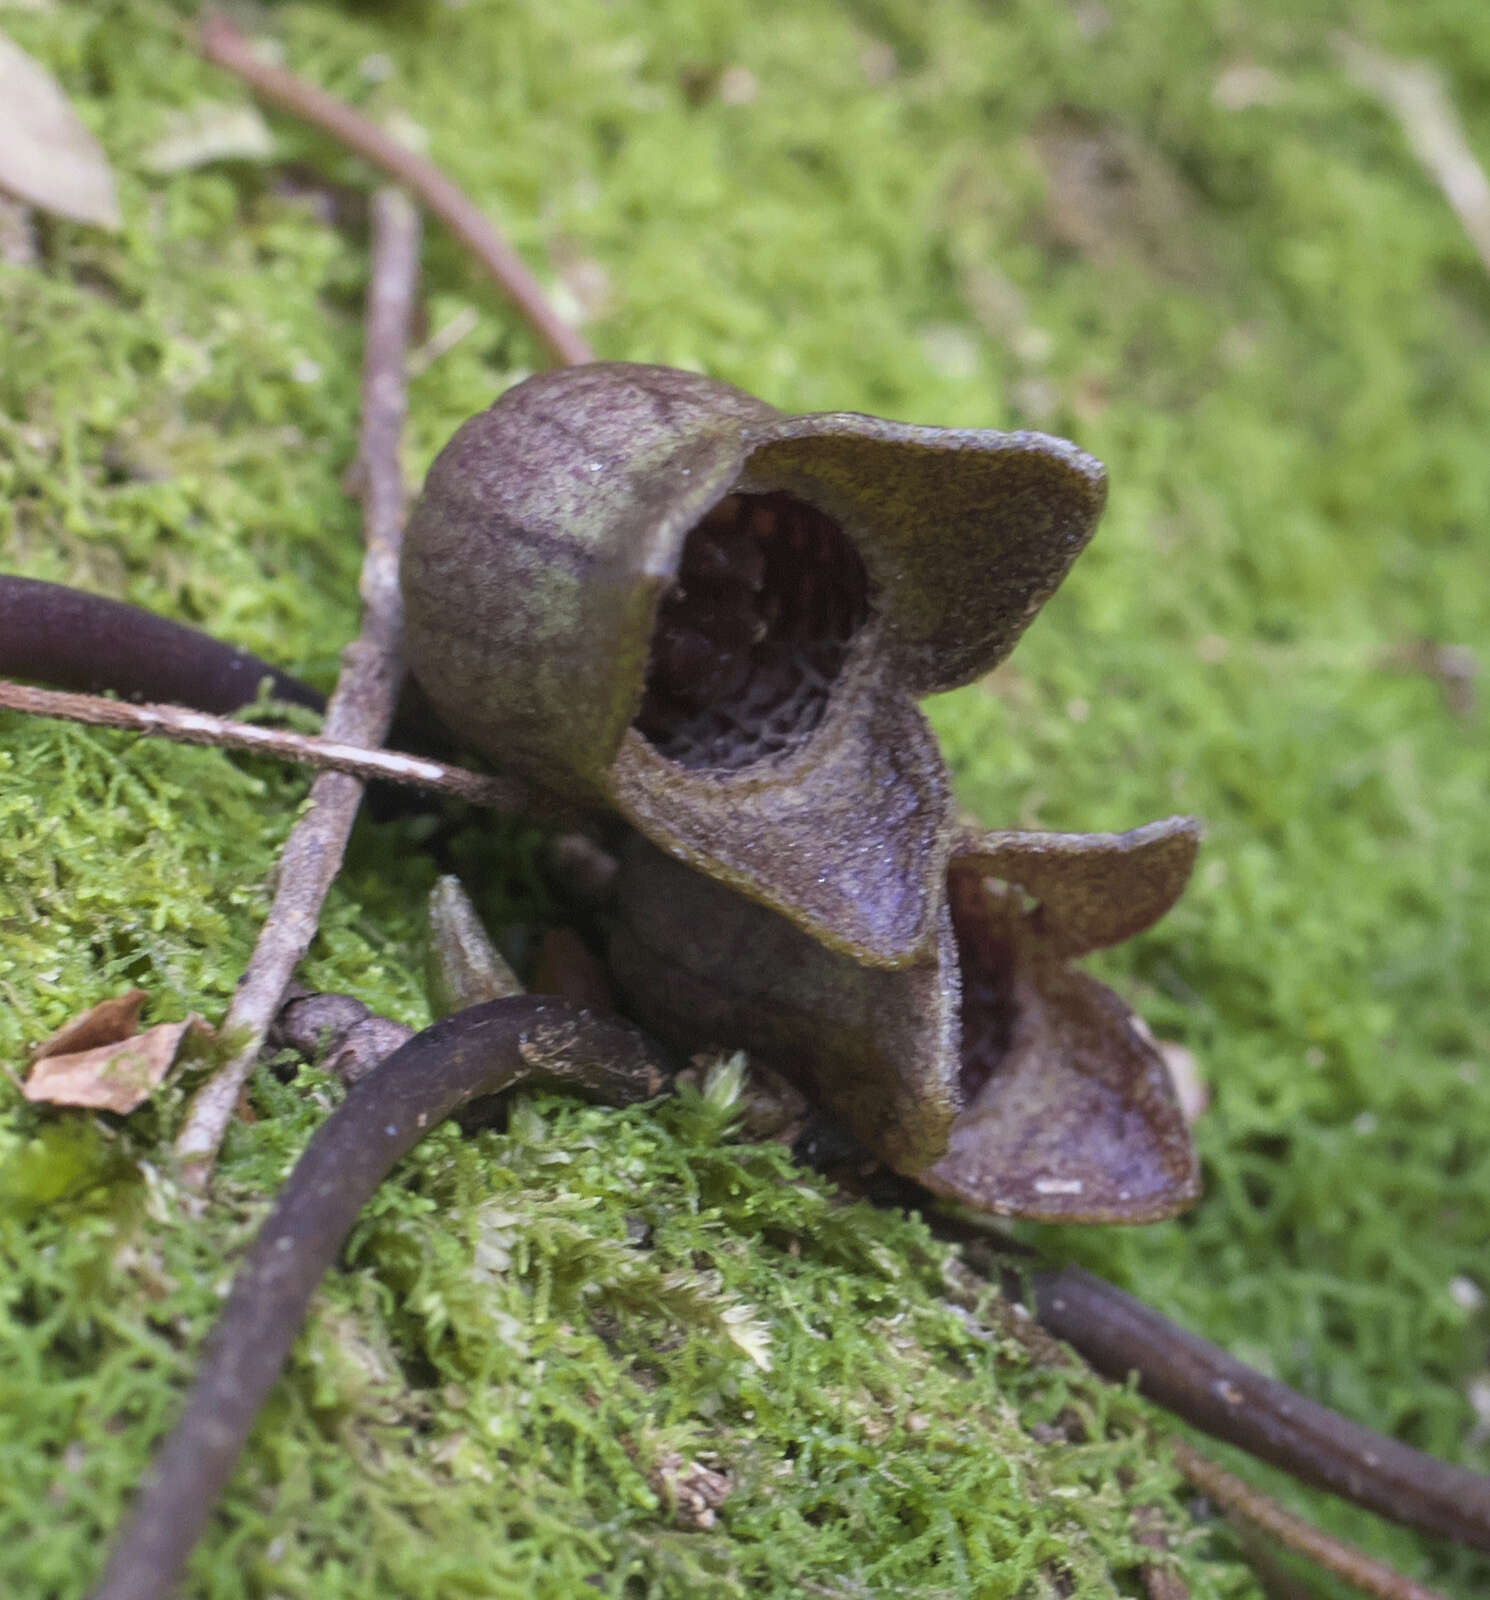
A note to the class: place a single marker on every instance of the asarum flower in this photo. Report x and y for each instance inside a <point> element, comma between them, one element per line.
<point>990,1070</point>
<point>657,595</point>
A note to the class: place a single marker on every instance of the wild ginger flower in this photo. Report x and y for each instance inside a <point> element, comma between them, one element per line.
<point>662,597</point>
<point>990,1070</point>
<point>657,595</point>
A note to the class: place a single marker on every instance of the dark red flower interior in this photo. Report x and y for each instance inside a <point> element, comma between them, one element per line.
<point>769,595</point>
<point>986,955</point>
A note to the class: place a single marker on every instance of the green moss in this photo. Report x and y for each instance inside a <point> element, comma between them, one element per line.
<point>1267,322</point>
<point>538,1328</point>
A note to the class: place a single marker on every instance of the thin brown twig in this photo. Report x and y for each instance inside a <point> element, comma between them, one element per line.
<point>361,707</point>
<point>1212,1390</point>
<point>969,1286</point>
<point>226,47</point>
<point>1415,92</point>
<point>1273,1566</point>
<point>182,725</point>
<point>1262,1511</point>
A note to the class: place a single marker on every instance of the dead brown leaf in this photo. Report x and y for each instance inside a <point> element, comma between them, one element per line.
<point>208,132</point>
<point>106,1023</point>
<point>47,157</point>
<point>692,1490</point>
<point>118,1076</point>
<point>1190,1086</point>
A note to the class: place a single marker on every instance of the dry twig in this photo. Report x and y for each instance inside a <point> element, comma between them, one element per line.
<point>182,725</point>
<point>361,706</point>
<point>1262,1511</point>
<point>1415,93</point>
<point>1097,1324</point>
<point>1212,1390</point>
<point>226,47</point>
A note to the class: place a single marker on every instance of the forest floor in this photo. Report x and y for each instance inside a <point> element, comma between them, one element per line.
<point>1182,234</point>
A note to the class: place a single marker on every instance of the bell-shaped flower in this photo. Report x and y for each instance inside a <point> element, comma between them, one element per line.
<point>654,594</point>
<point>991,1070</point>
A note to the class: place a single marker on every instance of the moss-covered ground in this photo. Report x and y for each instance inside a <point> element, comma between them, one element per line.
<point>1175,231</point>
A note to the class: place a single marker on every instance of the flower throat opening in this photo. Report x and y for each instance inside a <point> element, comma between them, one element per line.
<point>769,595</point>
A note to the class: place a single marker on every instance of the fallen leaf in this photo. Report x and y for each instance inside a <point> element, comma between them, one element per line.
<point>1190,1087</point>
<point>209,132</point>
<point>106,1023</point>
<point>1244,84</point>
<point>586,282</point>
<point>47,157</point>
<point>17,234</point>
<point>112,1077</point>
<point>692,1490</point>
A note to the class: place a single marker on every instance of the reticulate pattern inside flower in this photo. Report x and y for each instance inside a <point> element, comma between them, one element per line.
<point>769,595</point>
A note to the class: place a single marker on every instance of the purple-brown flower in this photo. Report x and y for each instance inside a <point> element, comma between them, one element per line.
<point>657,595</point>
<point>991,1069</point>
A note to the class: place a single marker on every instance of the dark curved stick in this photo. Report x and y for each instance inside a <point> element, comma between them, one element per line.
<point>1199,1382</point>
<point>75,640</point>
<point>481,1051</point>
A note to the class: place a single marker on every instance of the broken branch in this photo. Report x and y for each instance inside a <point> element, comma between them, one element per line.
<point>361,707</point>
<point>183,725</point>
<point>226,47</point>
<point>1213,1391</point>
